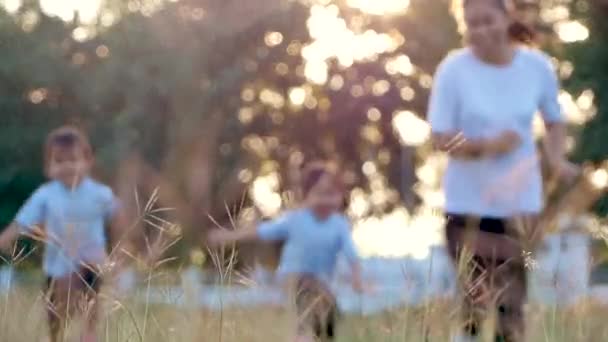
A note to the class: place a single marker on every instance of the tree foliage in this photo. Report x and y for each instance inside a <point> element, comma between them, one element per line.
<point>591,73</point>
<point>201,98</point>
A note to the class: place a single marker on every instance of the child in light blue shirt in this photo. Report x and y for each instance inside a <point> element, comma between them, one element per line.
<point>74,218</point>
<point>74,211</point>
<point>311,245</point>
<point>313,235</point>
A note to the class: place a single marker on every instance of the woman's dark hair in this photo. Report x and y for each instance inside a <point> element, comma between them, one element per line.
<point>518,31</point>
<point>313,173</point>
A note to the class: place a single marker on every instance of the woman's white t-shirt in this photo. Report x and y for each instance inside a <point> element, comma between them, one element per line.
<point>481,100</point>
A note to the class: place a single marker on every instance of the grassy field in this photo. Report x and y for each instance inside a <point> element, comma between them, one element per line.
<point>22,319</point>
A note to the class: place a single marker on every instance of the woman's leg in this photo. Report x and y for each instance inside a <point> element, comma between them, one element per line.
<point>469,270</point>
<point>511,286</point>
<point>490,286</point>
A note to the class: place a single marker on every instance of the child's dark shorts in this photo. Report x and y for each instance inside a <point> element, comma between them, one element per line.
<point>83,286</point>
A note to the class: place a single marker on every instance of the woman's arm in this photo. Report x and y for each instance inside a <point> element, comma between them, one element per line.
<point>456,145</point>
<point>555,141</point>
<point>554,145</point>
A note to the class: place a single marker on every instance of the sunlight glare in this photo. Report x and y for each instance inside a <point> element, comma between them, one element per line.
<point>245,176</point>
<point>599,178</point>
<point>571,31</point>
<point>297,96</point>
<point>585,100</point>
<point>372,134</point>
<point>432,197</point>
<point>412,130</point>
<point>38,95</point>
<point>407,93</point>
<point>400,65</point>
<point>256,145</point>
<point>374,114</point>
<point>265,196</point>
<point>381,87</point>
<point>332,39</point>
<point>576,114</point>
<point>336,83</point>
<point>82,34</point>
<point>380,7</point>
<point>87,10</point>
<point>551,14</point>
<point>369,168</point>
<point>359,205</point>
<point>316,71</point>
<point>246,115</point>
<point>273,38</point>
<point>272,98</point>
<point>429,173</point>
<point>11,6</point>
<point>396,234</point>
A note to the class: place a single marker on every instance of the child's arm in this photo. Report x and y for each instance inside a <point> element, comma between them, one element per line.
<point>357,282</point>
<point>220,237</point>
<point>26,221</point>
<point>350,251</point>
<point>274,230</point>
<point>7,237</point>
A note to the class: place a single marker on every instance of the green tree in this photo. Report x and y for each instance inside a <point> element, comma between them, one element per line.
<point>590,73</point>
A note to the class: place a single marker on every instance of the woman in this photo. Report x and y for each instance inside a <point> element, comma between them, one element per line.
<point>481,111</point>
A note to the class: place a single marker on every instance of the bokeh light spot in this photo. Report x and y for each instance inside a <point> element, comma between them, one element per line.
<point>374,114</point>
<point>102,51</point>
<point>412,130</point>
<point>380,7</point>
<point>571,31</point>
<point>273,39</point>
<point>407,93</point>
<point>297,96</point>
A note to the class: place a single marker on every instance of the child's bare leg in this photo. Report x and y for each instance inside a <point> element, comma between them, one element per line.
<point>56,324</point>
<point>57,310</point>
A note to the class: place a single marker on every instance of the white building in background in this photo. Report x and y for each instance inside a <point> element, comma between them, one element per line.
<point>437,274</point>
<point>561,273</point>
<point>397,282</point>
<point>126,281</point>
